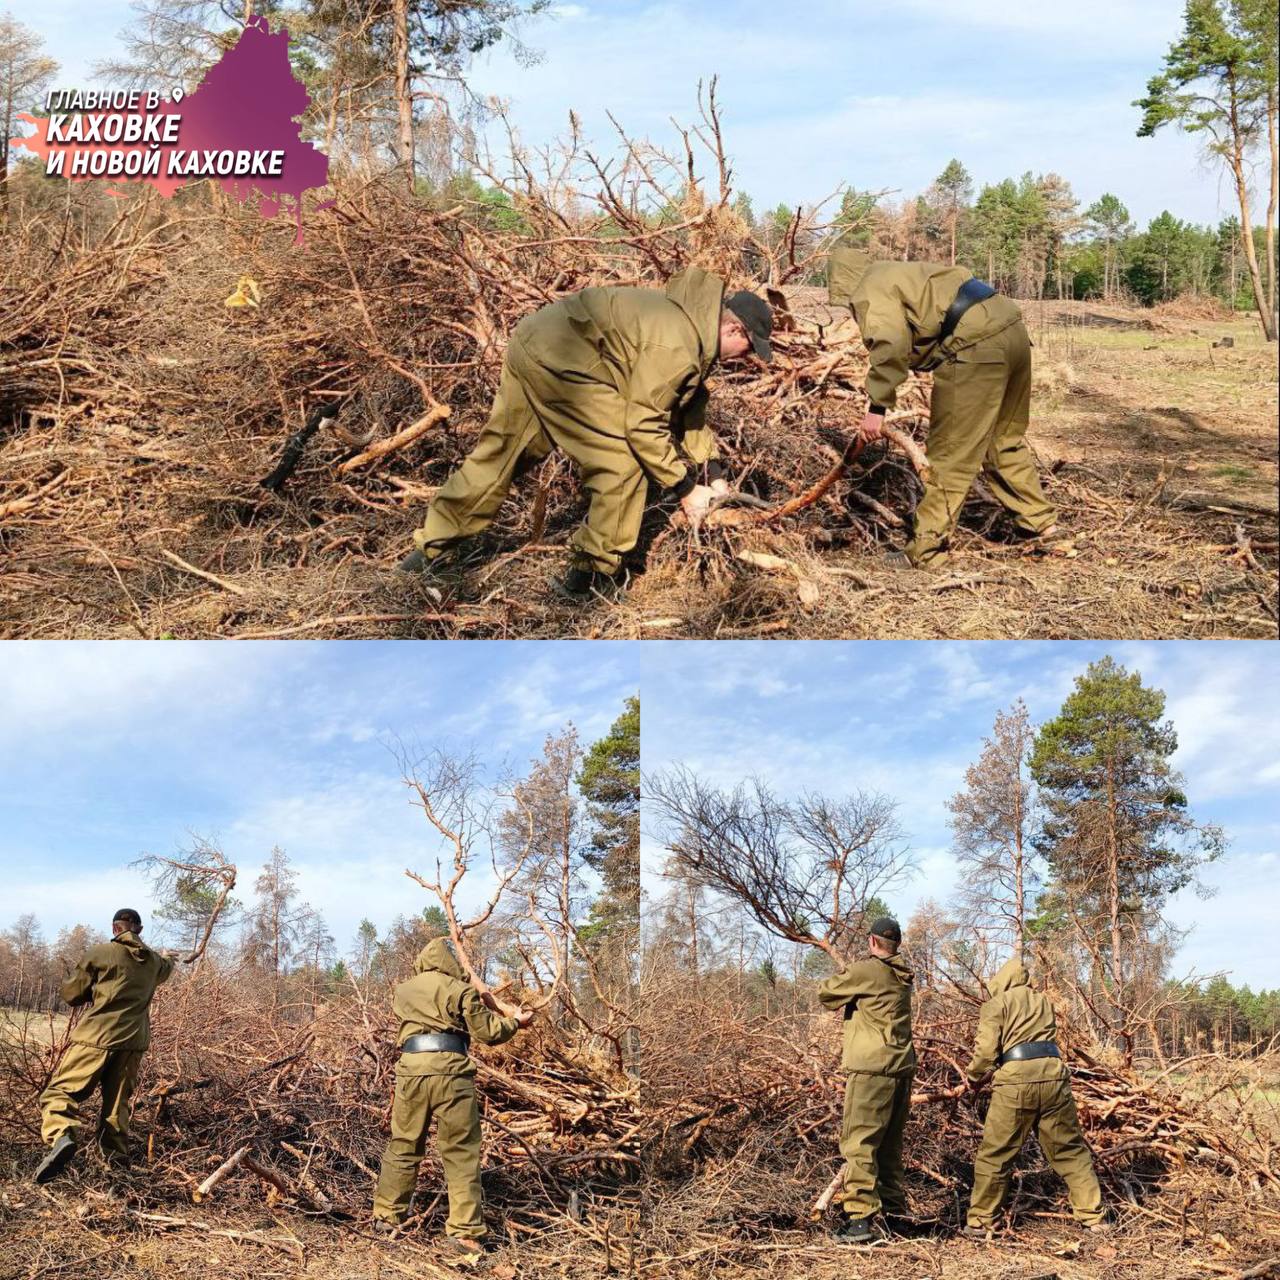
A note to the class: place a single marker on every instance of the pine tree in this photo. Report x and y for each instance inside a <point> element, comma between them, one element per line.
<point>1118,835</point>
<point>991,823</point>
<point>951,192</point>
<point>609,780</point>
<point>1110,222</point>
<point>1220,81</point>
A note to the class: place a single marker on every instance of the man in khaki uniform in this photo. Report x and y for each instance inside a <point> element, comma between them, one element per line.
<point>116,980</point>
<point>929,318</point>
<point>616,377</point>
<point>439,1012</point>
<point>878,1054</point>
<point>1031,1088</point>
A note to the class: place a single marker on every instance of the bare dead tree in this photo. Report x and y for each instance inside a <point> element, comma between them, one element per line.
<point>550,882</point>
<point>464,810</point>
<point>805,869</point>
<point>991,823</point>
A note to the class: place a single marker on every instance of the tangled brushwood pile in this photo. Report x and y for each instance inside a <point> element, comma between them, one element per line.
<point>265,1124</point>
<point>1187,1154</point>
<point>155,357</point>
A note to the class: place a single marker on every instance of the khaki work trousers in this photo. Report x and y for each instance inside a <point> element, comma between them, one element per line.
<point>531,415</point>
<point>451,1100</point>
<point>875,1114</point>
<point>978,422</point>
<point>82,1070</point>
<point>1014,1111</point>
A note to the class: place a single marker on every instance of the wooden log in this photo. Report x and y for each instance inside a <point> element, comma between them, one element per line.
<point>318,1197</point>
<point>800,502</point>
<point>905,444</point>
<point>272,1178</point>
<point>188,567</point>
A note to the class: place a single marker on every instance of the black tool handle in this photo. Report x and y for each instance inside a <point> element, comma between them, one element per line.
<point>296,446</point>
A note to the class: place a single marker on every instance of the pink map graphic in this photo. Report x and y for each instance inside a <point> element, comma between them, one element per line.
<point>248,101</point>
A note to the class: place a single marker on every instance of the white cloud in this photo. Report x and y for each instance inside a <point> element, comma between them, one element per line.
<point>351,839</point>
<point>878,96</point>
<point>63,899</point>
<point>262,745</point>
<point>907,719</point>
<point>544,688</point>
<point>49,686</point>
<point>1234,931</point>
<point>1132,27</point>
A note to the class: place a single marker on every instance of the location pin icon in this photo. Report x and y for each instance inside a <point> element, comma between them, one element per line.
<point>176,96</point>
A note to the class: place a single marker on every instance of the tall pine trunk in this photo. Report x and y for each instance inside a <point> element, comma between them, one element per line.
<point>404,89</point>
<point>1273,145</point>
<point>1264,303</point>
<point>1113,911</point>
<point>5,125</point>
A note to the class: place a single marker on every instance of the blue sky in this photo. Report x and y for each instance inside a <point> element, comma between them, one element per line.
<point>877,94</point>
<point>907,718</point>
<point>108,751</point>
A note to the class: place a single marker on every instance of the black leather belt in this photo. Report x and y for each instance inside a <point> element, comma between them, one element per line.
<point>437,1042</point>
<point>1032,1049</point>
<point>969,294</point>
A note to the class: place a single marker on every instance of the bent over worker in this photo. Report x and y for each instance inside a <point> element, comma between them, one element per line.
<point>616,377</point>
<point>1031,1088</point>
<point>117,980</point>
<point>919,316</point>
<point>878,1054</point>
<point>440,1012</point>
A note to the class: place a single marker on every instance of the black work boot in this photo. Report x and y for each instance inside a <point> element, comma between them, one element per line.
<point>854,1231</point>
<point>1050,533</point>
<point>449,563</point>
<point>57,1159</point>
<point>582,582</point>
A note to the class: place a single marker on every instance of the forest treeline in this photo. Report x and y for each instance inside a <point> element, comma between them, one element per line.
<point>388,87</point>
<point>575,880</point>
<point>1032,237</point>
<point>1069,838</point>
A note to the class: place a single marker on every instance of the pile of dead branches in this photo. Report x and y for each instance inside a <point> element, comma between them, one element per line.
<point>154,365</point>
<point>160,360</point>
<point>752,1102</point>
<point>241,1099</point>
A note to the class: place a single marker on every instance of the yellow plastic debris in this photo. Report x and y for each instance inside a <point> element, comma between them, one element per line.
<point>247,293</point>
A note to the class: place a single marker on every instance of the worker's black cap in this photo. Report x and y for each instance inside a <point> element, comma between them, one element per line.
<point>757,315</point>
<point>127,915</point>
<point>886,927</point>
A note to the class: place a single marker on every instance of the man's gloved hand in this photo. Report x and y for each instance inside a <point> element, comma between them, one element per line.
<point>720,487</point>
<point>872,426</point>
<point>524,1017</point>
<point>696,502</point>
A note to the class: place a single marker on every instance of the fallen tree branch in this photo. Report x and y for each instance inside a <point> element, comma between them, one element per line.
<point>224,1170</point>
<point>415,431</point>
